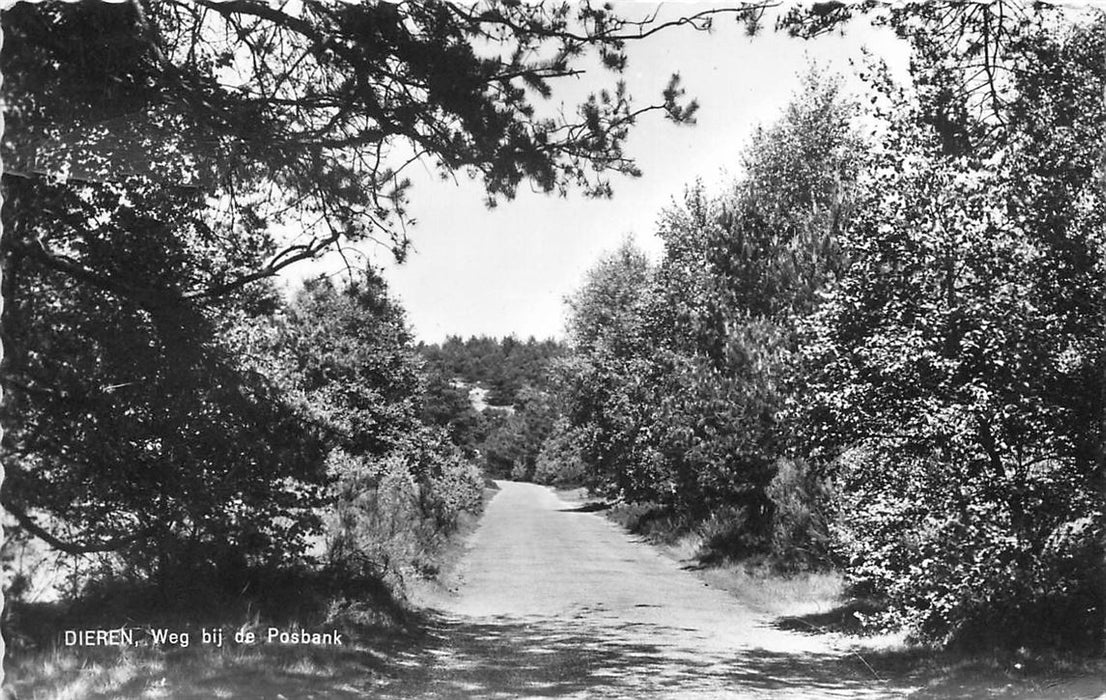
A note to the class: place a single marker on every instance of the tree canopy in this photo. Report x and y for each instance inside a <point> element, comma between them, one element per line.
<point>163,158</point>
<point>309,114</point>
<point>885,351</point>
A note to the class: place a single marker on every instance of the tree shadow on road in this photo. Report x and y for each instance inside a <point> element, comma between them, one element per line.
<point>548,657</point>
<point>572,656</point>
<point>589,507</point>
<point>581,655</point>
<point>846,618</point>
<point>962,673</point>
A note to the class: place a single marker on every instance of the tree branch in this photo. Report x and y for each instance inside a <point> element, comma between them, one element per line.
<point>111,545</point>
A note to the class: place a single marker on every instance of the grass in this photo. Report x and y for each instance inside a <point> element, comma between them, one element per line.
<point>380,632</point>
<point>206,672</point>
<point>765,591</point>
<point>39,664</point>
<point>429,592</point>
<point>820,603</point>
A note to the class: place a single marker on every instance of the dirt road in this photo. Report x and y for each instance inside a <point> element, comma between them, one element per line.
<point>556,601</point>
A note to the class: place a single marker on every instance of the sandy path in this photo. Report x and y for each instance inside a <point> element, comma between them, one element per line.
<point>559,602</point>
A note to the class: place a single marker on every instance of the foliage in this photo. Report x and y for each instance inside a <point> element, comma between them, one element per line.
<point>508,431</point>
<point>352,361</point>
<point>681,370</point>
<point>391,515</point>
<point>604,383</point>
<point>559,462</point>
<point>527,428</point>
<point>155,154</point>
<point>889,353</point>
<point>131,420</point>
<point>447,404</point>
<point>802,516</point>
<point>964,57</point>
<point>764,249</point>
<point>503,366</point>
<point>957,370</point>
<point>398,485</point>
<point>317,112</point>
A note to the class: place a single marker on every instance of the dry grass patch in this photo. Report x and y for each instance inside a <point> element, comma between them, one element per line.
<point>429,592</point>
<point>779,595</point>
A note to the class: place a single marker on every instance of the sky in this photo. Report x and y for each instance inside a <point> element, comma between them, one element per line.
<point>507,270</point>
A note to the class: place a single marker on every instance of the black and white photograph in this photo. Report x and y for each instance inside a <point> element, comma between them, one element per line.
<point>553,349</point>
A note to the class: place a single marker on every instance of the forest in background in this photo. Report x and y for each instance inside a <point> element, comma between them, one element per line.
<point>494,397</point>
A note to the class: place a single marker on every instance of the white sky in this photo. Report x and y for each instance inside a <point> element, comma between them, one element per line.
<point>507,270</point>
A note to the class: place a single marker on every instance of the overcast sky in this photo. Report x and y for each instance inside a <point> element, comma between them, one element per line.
<point>507,270</point>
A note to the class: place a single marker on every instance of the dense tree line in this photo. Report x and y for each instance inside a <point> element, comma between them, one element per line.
<point>503,367</point>
<point>507,431</point>
<point>884,349</point>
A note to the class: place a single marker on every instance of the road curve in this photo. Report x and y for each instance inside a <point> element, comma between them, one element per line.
<point>559,602</point>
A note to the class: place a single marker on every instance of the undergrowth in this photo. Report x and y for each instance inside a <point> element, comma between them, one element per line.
<point>368,608</point>
<point>42,661</point>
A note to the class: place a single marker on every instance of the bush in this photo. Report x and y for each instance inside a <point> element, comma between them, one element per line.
<point>799,536</point>
<point>452,486</point>
<point>559,462</point>
<point>391,516</point>
<point>957,564</point>
<point>726,535</point>
<point>656,522</point>
<point>513,444</point>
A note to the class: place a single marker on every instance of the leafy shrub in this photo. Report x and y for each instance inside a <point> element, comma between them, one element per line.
<point>521,470</point>
<point>560,462</point>
<point>452,485</point>
<point>726,534</point>
<point>391,515</point>
<point>957,364</point>
<point>799,537</point>
<point>502,448</point>
<point>958,561</point>
<point>654,521</point>
<point>515,440</point>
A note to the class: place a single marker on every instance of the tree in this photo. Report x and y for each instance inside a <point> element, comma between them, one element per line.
<point>153,152</point>
<point>680,370</point>
<point>315,113</point>
<point>559,462</point>
<point>353,362</point>
<point>738,270</point>
<point>449,407</point>
<point>605,378</point>
<point>957,369</point>
<point>524,431</point>
<point>131,421</point>
<point>765,248</point>
<point>606,314</point>
<point>963,53</point>
<point>343,357</point>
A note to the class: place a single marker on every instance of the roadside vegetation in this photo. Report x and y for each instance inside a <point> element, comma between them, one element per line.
<point>867,373</point>
<point>872,366</point>
<point>379,496</point>
<point>186,445</point>
<point>880,350</point>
